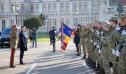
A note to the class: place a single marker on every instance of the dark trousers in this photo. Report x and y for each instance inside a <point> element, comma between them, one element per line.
<point>34,42</point>
<point>50,39</point>
<point>54,47</point>
<point>77,47</point>
<point>53,41</point>
<point>12,57</point>
<point>21,56</point>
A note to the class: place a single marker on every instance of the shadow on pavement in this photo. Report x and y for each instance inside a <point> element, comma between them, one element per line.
<point>4,67</point>
<point>58,63</point>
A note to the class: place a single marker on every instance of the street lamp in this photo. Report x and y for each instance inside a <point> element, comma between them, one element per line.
<point>15,8</point>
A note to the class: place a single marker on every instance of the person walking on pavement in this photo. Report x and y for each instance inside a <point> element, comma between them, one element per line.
<point>53,38</point>
<point>34,40</point>
<point>13,38</point>
<point>22,45</point>
<point>77,41</point>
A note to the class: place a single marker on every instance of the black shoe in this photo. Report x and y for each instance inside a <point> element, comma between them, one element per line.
<point>84,57</point>
<point>96,69</point>
<point>54,51</point>
<point>22,63</point>
<point>12,66</point>
<point>76,51</point>
<point>78,55</point>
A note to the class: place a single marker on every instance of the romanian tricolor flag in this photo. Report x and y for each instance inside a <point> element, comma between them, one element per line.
<point>66,34</point>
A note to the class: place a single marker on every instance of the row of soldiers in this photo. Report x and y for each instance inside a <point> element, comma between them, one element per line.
<point>104,46</point>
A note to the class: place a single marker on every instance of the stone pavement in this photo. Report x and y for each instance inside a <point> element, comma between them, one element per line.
<point>42,60</point>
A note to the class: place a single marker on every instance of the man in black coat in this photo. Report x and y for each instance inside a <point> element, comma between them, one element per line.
<point>22,45</point>
<point>50,36</point>
<point>77,41</point>
<point>53,38</point>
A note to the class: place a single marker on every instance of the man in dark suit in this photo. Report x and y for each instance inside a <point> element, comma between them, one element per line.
<point>50,36</point>
<point>53,38</point>
<point>77,41</point>
<point>22,45</point>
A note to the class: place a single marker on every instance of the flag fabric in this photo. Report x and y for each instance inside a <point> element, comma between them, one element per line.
<point>67,32</point>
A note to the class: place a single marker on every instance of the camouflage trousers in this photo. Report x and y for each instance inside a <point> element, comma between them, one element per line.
<point>122,63</point>
<point>106,59</point>
<point>84,49</point>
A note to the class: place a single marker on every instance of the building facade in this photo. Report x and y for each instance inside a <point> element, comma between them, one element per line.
<point>71,12</point>
<point>109,8</point>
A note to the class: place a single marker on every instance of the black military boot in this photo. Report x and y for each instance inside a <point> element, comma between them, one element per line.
<point>21,62</point>
<point>84,57</point>
<point>54,48</point>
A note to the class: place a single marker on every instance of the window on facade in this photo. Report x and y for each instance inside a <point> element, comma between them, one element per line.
<point>62,20</point>
<point>75,21</point>
<point>12,8</point>
<point>80,20</point>
<point>25,0</point>
<point>44,8</point>
<point>54,22</point>
<point>86,20</point>
<point>67,21</point>
<point>17,8</point>
<point>94,18</point>
<point>80,6</point>
<point>2,8</point>
<point>67,7</point>
<point>75,7</point>
<point>85,7</point>
<point>22,8</point>
<point>54,7</point>
<point>94,6</point>
<point>36,8</point>
<point>113,2</point>
<point>49,8</point>
<point>40,0</point>
<point>61,7</point>
<point>50,22</point>
<point>32,8</point>
<point>12,21</point>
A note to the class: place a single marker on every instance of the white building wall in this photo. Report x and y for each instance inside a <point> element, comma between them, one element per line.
<point>70,18</point>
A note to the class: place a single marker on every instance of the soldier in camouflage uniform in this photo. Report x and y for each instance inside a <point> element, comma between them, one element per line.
<point>98,34</point>
<point>82,40</point>
<point>89,46</point>
<point>105,51</point>
<point>86,42</point>
<point>106,47</point>
<point>92,54</point>
<point>114,38</point>
<point>122,47</point>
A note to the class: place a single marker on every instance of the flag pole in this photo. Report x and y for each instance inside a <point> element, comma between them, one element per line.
<point>62,39</point>
<point>61,35</point>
